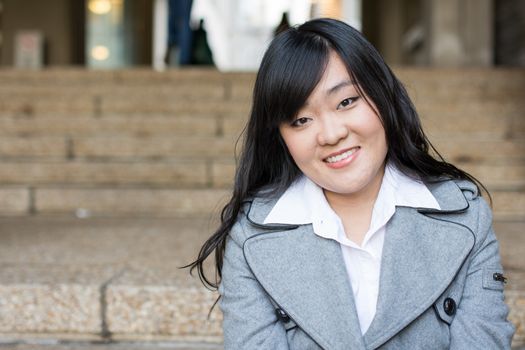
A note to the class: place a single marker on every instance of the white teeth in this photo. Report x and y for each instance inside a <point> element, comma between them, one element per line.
<point>341,156</point>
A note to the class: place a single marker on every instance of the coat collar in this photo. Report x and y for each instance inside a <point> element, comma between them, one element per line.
<point>306,276</point>
<point>448,193</point>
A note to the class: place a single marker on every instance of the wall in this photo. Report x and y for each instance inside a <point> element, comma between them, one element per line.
<point>55,18</point>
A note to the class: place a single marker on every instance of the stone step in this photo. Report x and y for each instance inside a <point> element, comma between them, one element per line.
<point>499,77</point>
<point>15,200</point>
<point>189,89</point>
<point>512,244</point>
<point>105,105</point>
<point>186,124</point>
<point>53,147</point>
<point>510,177</point>
<point>48,147</point>
<point>466,150</point>
<point>193,173</point>
<point>163,202</point>
<point>142,100</point>
<point>108,279</point>
<point>439,83</point>
<point>439,124</point>
<point>113,201</point>
<point>481,151</point>
<point>165,147</point>
<point>104,279</point>
<point>182,173</point>
<point>509,205</point>
<point>138,125</point>
<point>69,76</point>
<point>50,344</point>
<point>230,87</point>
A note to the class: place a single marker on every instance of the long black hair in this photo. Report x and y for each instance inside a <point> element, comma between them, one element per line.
<point>290,70</point>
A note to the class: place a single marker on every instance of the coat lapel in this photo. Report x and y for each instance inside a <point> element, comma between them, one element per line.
<point>306,276</point>
<point>422,253</point>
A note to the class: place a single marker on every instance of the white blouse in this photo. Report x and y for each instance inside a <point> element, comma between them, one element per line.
<point>304,203</point>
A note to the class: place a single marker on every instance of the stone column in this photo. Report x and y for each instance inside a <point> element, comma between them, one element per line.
<point>459,32</point>
<point>478,32</point>
<point>391,34</point>
<point>160,34</point>
<point>351,13</point>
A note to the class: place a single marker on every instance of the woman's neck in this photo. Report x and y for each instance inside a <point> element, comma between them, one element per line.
<point>355,210</point>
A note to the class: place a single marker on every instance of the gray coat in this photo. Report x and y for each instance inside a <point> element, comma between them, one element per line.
<point>284,287</point>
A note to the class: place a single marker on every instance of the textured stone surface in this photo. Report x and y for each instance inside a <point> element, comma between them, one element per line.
<point>223,173</point>
<point>481,150</point>
<point>174,173</point>
<point>439,125</point>
<point>497,176</point>
<point>127,147</point>
<point>446,125</point>
<point>161,91</point>
<point>14,201</point>
<point>509,205</point>
<point>47,299</point>
<point>50,102</point>
<point>31,147</point>
<point>161,302</point>
<point>123,105</point>
<point>53,269</point>
<point>107,202</point>
<point>243,90</point>
<point>67,76</point>
<point>515,299</point>
<point>130,241</point>
<point>512,244</point>
<point>469,109</point>
<point>137,125</point>
<point>100,345</point>
<point>233,125</point>
<point>165,202</point>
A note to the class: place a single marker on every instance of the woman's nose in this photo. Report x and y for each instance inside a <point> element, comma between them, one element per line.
<point>332,130</point>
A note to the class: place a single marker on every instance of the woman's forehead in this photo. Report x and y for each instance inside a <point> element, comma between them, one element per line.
<point>334,78</point>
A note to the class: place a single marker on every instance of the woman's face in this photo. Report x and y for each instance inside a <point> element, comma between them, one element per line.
<point>337,139</point>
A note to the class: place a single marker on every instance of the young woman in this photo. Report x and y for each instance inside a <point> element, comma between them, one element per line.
<point>343,231</point>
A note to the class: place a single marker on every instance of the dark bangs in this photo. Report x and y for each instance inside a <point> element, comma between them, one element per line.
<point>291,68</point>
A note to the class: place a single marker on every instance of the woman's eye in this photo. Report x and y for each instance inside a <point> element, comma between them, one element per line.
<point>347,102</point>
<point>300,121</point>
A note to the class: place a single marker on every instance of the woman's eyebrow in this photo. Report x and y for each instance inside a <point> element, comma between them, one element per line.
<point>339,86</point>
<point>335,88</point>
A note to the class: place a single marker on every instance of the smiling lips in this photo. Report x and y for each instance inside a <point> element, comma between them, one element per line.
<point>341,159</point>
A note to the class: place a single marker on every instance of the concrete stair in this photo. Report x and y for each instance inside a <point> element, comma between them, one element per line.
<point>111,180</point>
<point>100,279</point>
<point>121,345</point>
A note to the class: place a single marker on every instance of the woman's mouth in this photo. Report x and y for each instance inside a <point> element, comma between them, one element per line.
<point>341,156</point>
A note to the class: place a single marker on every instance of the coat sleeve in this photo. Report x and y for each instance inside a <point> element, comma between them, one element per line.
<point>249,319</point>
<point>481,317</point>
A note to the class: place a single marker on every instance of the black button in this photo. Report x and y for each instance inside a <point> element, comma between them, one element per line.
<point>282,315</point>
<point>499,277</point>
<point>450,306</point>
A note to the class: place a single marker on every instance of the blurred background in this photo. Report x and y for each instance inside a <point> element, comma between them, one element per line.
<point>118,34</point>
<point>118,123</point>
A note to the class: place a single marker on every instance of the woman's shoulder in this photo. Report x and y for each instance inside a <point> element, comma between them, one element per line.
<point>453,191</point>
<point>250,220</point>
<point>462,202</point>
